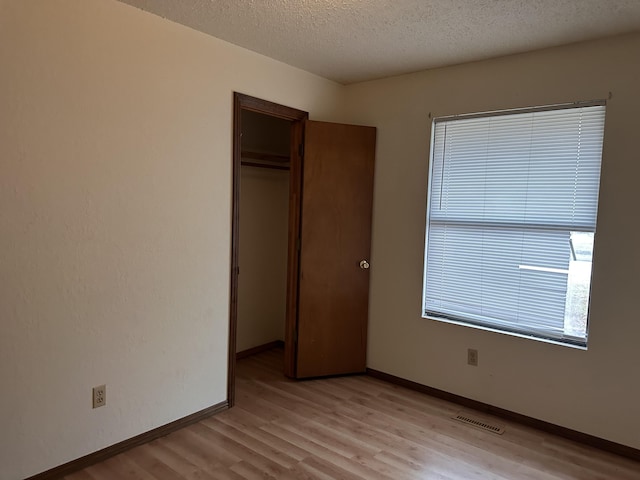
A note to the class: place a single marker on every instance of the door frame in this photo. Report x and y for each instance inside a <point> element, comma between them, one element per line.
<point>297,117</point>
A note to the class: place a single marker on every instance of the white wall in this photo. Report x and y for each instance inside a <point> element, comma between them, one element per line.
<point>262,283</point>
<point>595,391</point>
<point>115,191</point>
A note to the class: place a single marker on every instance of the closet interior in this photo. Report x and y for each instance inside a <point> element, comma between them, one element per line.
<point>263,231</point>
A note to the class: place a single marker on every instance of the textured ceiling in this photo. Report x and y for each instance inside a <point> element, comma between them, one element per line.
<point>354,40</point>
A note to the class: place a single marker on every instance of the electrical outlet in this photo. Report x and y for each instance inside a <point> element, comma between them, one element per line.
<point>472,357</point>
<point>99,396</point>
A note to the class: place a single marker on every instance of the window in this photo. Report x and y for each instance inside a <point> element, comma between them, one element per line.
<point>511,220</point>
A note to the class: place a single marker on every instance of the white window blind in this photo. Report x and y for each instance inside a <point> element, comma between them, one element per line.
<point>511,217</point>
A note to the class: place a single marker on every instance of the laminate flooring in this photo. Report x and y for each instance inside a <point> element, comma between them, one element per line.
<point>353,427</point>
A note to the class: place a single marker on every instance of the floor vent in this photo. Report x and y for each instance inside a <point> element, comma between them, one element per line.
<point>478,423</point>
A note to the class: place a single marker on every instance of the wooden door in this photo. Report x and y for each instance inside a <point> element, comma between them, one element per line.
<point>335,245</point>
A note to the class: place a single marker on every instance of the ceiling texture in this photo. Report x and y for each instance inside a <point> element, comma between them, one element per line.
<point>355,40</point>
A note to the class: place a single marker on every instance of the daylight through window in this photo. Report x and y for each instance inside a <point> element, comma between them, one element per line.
<point>511,220</point>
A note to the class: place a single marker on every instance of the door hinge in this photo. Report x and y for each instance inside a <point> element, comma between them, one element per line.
<point>298,244</point>
<point>301,150</point>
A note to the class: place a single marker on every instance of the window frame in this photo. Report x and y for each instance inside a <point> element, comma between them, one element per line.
<point>530,333</point>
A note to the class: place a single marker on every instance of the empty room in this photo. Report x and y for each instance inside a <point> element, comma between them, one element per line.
<point>319,239</point>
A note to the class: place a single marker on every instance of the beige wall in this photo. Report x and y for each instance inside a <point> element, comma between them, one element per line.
<point>115,178</point>
<point>595,391</point>
<point>262,283</point>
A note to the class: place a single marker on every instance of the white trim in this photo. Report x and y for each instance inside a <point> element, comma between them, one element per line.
<point>506,332</point>
<point>512,111</point>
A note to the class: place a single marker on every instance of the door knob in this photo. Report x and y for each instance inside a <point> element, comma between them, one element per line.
<point>364,264</point>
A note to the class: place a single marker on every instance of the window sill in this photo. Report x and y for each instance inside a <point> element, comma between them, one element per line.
<point>504,332</point>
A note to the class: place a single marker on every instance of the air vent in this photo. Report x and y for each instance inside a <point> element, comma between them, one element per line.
<point>479,423</point>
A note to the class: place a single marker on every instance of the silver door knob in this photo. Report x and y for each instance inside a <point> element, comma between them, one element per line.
<point>364,264</point>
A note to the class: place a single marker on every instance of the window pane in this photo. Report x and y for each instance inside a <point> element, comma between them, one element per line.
<point>511,220</point>
<point>579,284</point>
<point>503,275</point>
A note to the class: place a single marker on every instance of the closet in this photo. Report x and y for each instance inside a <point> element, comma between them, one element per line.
<point>263,226</point>
<point>301,239</point>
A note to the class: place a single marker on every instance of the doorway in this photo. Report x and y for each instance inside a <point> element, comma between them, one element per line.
<point>328,240</point>
<point>262,256</point>
<point>266,186</point>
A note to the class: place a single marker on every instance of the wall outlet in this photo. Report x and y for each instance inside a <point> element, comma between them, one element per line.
<point>99,396</point>
<point>472,357</point>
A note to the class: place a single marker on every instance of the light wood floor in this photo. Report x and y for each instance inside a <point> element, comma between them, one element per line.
<point>350,428</point>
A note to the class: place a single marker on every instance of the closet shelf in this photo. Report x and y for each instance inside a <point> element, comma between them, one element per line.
<point>265,160</point>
